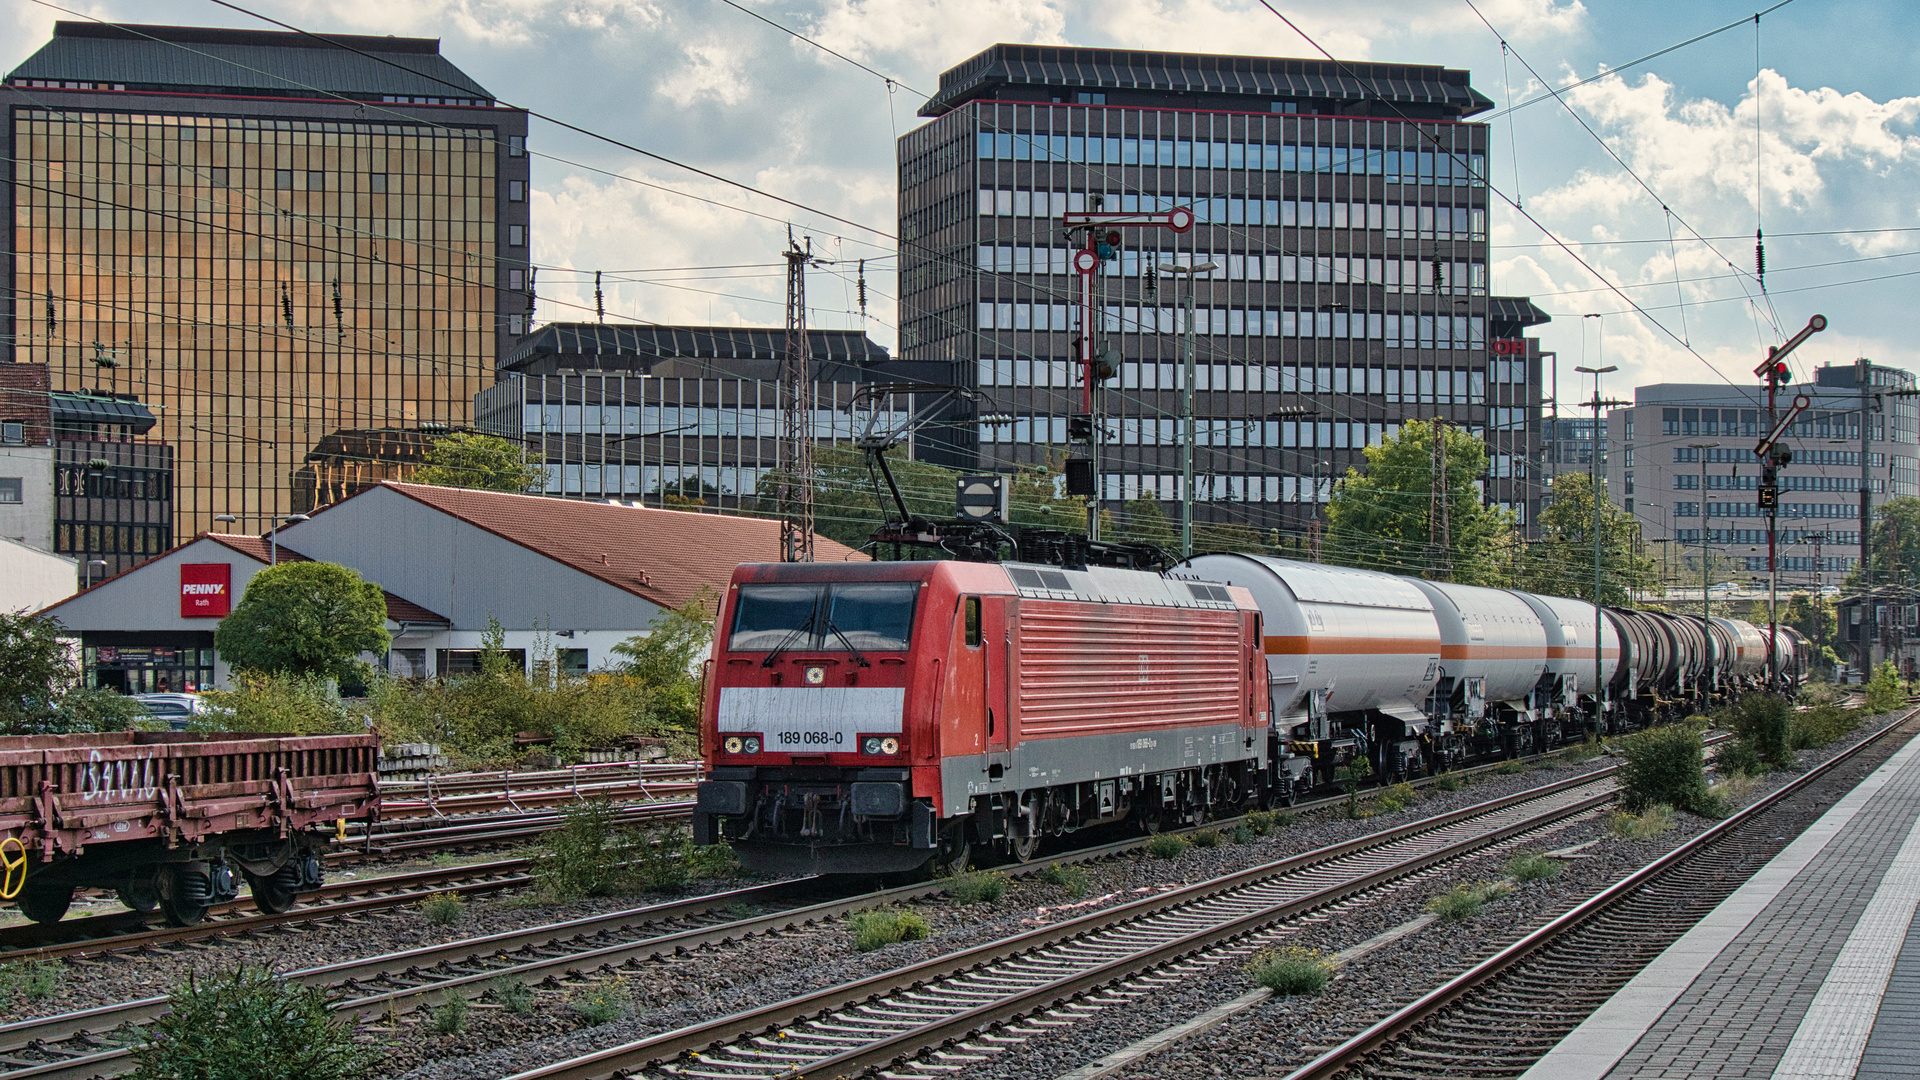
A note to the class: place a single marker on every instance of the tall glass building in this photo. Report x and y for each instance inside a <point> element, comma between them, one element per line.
<point>266,237</point>
<point>1343,206</point>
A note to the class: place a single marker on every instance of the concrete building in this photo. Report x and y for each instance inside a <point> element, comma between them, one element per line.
<point>264,236</point>
<point>567,576</point>
<point>1345,209</point>
<point>1681,457</point>
<point>78,477</point>
<point>32,577</point>
<point>629,411</point>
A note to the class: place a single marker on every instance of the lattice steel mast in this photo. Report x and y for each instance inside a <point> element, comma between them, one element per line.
<point>794,458</point>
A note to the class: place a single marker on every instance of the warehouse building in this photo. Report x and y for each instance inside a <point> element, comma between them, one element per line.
<point>567,578</point>
<point>1342,205</point>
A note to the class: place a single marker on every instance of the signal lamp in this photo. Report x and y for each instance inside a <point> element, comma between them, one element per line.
<point>889,746</point>
<point>870,745</point>
<point>751,745</point>
<point>732,744</point>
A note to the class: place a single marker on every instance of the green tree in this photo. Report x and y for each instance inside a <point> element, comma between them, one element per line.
<point>305,619</point>
<point>1896,544</point>
<point>468,459</point>
<point>1380,517</point>
<point>36,667</point>
<point>1144,521</point>
<point>250,1024</point>
<point>1560,563</point>
<point>665,658</point>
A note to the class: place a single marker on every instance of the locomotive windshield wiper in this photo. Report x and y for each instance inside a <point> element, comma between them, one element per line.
<point>806,627</point>
<point>858,657</point>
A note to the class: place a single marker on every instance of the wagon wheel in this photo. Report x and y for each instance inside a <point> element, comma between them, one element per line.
<point>270,895</point>
<point>43,901</point>
<point>140,893</point>
<point>184,901</point>
<point>1024,847</point>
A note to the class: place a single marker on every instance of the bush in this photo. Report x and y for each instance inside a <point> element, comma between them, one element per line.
<point>278,704</point>
<point>1760,721</point>
<point>1819,725</point>
<point>1664,766</point>
<point>1262,822</point>
<point>1241,834</point>
<point>450,1016</point>
<point>1205,838</point>
<point>711,861</point>
<point>1738,758</point>
<point>1071,878</point>
<point>1447,781</point>
<point>591,856</point>
<point>33,980</point>
<point>1292,970</point>
<point>1463,902</point>
<point>1884,693</point>
<point>603,1002</point>
<point>250,1025</point>
<point>978,887</point>
<point>1350,776</point>
<point>1166,846</point>
<point>1511,768</point>
<point>1398,797</point>
<point>1645,825</point>
<point>1586,750</point>
<point>512,995</point>
<point>1529,866</point>
<point>443,908</point>
<point>884,926</point>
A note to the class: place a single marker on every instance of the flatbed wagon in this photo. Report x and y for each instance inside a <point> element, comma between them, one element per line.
<point>174,820</point>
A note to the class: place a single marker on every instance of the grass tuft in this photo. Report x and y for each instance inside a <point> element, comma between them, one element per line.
<point>1463,902</point>
<point>34,980</point>
<point>1645,825</point>
<point>1071,878</point>
<point>1292,970</point>
<point>450,1016</point>
<point>1166,846</point>
<point>1531,866</point>
<point>604,1002</point>
<point>512,995</point>
<point>1261,822</point>
<point>443,908</point>
<point>1447,781</point>
<point>885,926</point>
<point>1241,834</point>
<point>977,886</point>
<point>1206,838</point>
<point>1511,768</point>
<point>1396,798</point>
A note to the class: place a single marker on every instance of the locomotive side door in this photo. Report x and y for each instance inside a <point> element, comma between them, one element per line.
<point>997,689</point>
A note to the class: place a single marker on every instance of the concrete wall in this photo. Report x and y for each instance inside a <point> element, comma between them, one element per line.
<point>30,579</point>
<point>30,521</point>
<point>463,572</point>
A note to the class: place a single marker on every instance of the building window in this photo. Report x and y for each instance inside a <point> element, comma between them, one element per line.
<point>218,176</point>
<point>571,661</point>
<point>516,191</point>
<point>516,280</point>
<point>516,325</point>
<point>316,181</point>
<point>1088,98</point>
<point>516,145</point>
<point>377,183</point>
<point>516,236</point>
<point>283,179</point>
<point>9,489</point>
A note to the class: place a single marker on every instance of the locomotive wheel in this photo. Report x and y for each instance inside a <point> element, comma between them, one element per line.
<point>44,902</point>
<point>139,894</point>
<point>270,895</point>
<point>1023,848</point>
<point>186,897</point>
<point>952,856</point>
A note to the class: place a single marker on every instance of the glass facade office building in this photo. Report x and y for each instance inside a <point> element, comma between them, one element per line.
<point>1342,206</point>
<point>268,239</point>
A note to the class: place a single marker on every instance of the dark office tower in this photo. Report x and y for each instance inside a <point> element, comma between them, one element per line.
<point>264,237</point>
<point>1344,205</point>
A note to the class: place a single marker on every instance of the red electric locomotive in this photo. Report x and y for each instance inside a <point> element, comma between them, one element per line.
<point>875,717</point>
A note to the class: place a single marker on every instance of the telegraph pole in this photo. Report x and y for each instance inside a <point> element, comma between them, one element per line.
<point>1593,482</point>
<point>795,455</point>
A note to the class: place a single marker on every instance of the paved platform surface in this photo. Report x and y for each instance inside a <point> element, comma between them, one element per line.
<point>1809,971</point>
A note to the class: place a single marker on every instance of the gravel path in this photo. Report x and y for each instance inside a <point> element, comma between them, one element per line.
<point>742,975</point>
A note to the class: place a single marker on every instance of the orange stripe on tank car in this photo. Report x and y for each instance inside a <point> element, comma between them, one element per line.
<point>1318,644</point>
<point>1493,652</point>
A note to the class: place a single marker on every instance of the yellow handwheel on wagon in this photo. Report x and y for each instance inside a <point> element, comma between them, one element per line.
<point>13,867</point>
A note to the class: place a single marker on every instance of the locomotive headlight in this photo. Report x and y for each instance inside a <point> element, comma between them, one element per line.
<point>732,744</point>
<point>870,745</point>
<point>889,746</point>
<point>751,744</point>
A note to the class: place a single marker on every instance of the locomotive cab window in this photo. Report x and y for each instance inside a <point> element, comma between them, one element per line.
<point>972,616</point>
<point>824,618</point>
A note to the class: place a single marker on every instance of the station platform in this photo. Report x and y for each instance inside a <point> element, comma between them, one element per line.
<point>1810,971</point>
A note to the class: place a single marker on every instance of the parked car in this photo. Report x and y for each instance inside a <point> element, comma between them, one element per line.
<point>178,710</point>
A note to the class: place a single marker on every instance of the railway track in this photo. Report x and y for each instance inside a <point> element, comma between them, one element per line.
<point>1502,1015</point>
<point>414,836</point>
<point>953,1004</point>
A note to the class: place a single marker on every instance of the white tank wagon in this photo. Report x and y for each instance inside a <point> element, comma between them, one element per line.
<point>1493,653</point>
<point>1749,661</point>
<point>1352,658</point>
<point>1572,690</point>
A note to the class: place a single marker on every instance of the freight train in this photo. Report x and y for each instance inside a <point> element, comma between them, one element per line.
<point>888,716</point>
<point>175,821</point>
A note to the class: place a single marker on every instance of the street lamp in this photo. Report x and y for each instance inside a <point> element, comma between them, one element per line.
<point>91,563</point>
<point>1706,598</point>
<point>1186,408</point>
<point>1593,483</point>
<point>273,538</point>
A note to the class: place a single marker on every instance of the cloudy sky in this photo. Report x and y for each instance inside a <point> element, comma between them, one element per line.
<point>1664,149</point>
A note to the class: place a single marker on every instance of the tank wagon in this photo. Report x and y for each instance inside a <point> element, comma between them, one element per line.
<point>174,821</point>
<point>879,717</point>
